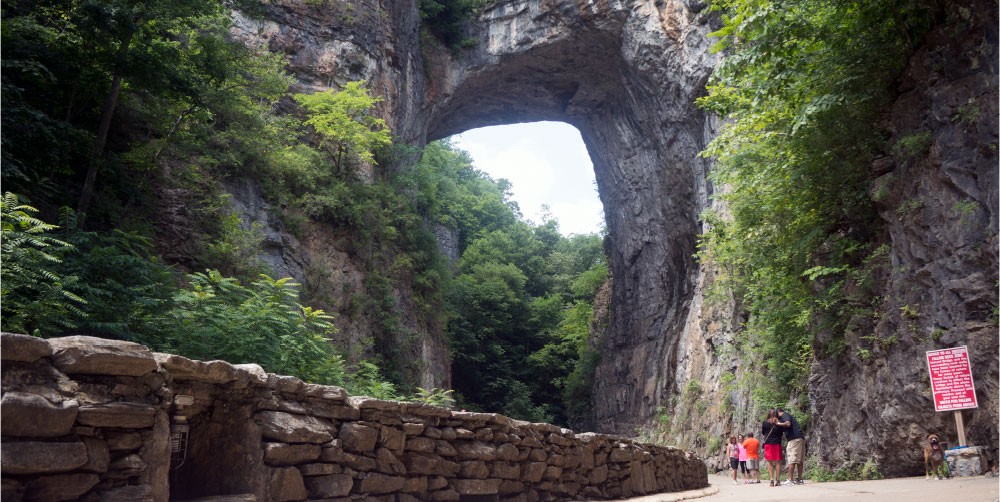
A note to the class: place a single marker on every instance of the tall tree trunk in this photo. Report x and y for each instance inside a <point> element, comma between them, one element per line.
<point>107,112</point>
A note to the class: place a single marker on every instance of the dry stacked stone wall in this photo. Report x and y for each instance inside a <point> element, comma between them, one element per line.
<point>85,418</point>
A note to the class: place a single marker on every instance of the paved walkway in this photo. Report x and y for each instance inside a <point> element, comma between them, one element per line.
<point>978,489</point>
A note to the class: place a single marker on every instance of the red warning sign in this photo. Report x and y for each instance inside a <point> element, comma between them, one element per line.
<point>951,379</point>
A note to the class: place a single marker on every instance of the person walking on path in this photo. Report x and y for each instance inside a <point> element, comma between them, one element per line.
<point>752,447</point>
<point>733,454</point>
<point>743,459</point>
<point>795,449</point>
<point>772,446</point>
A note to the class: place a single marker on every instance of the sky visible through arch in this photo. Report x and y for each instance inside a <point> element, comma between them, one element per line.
<point>547,163</point>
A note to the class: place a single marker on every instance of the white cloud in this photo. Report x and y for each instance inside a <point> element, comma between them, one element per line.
<point>581,217</point>
<point>546,163</point>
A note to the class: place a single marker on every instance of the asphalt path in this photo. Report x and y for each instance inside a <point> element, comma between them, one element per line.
<point>972,489</point>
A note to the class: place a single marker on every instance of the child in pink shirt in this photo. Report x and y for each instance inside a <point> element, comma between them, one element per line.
<point>742,451</point>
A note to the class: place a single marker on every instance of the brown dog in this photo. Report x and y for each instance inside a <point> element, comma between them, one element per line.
<point>933,456</point>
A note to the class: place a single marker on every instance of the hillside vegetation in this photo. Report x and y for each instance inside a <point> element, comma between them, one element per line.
<point>800,244</point>
<point>123,121</point>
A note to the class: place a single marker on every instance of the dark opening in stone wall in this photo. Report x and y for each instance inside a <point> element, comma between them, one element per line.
<point>223,452</point>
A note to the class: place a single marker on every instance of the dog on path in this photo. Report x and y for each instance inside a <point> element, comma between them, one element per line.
<point>933,456</point>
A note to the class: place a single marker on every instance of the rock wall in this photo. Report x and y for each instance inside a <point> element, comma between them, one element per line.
<point>92,419</point>
<point>626,75</point>
<point>937,193</point>
<point>936,190</point>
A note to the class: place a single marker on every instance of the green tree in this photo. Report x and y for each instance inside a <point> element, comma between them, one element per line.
<point>117,275</point>
<point>802,85</point>
<point>344,121</point>
<point>135,45</point>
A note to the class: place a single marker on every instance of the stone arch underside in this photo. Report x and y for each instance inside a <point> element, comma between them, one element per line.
<point>630,93</point>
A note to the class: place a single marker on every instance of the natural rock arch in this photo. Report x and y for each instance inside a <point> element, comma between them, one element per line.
<point>624,73</point>
<point>626,76</point>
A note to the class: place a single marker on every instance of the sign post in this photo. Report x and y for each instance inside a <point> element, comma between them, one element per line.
<point>951,383</point>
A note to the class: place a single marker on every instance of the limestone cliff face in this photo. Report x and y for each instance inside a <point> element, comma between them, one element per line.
<point>936,191</point>
<point>626,73</point>
<point>938,201</point>
<point>328,44</point>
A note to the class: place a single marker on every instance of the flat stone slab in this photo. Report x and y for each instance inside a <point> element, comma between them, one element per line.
<point>287,484</point>
<point>255,373</point>
<point>35,457</point>
<point>477,486</point>
<point>334,485</point>
<point>358,438</point>
<point>87,355</point>
<point>281,454</point>
<point>60,486</point>
<point>378,483</point>
<point>182,368</point>
<point>134,493</point>
<point>14,347</point>
<point>325,392</point>
<point>30,415</point>
<point>121,415</point>
<point>292,428</point>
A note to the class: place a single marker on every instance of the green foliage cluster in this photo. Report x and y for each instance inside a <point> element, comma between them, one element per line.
<point>866,471</point>
<point>344,122</point>
<point>111,104</point>
<point>444,18</point>
<point>802,85</point>
<point>40,298</point>
<point>435,397</point>
<point>217,317</point>
<point>521,314</point>
<point>139,113</point>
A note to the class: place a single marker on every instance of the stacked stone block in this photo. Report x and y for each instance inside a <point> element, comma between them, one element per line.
<point>81,420</point>
<point>89,419</point>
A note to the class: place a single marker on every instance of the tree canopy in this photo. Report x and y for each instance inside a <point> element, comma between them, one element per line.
<point>801,86</point>
<point>138,115</point>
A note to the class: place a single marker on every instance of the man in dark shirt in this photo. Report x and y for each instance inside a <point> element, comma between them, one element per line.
<point>795,449</point>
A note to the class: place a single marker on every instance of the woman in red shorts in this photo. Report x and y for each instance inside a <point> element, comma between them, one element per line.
<point>771,433</point>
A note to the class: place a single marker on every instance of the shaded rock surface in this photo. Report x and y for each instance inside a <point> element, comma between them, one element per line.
<point>940,208</point>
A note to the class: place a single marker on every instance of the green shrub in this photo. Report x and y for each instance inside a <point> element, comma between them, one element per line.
<point>866,471</point>
<point>35,299</point>
<point>794,160</point>
<point>444,19</point>
<point>216,317</point>
<point>434,397</point>
<point>913,145</point>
